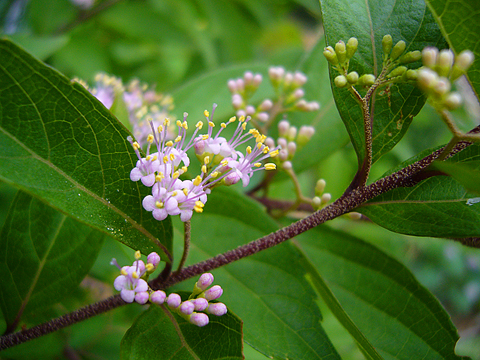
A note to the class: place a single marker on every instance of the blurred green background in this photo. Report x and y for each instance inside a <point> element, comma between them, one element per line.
<point>170,43</point>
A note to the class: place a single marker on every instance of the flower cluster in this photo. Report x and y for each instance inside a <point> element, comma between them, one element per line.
<point>290,139</point>
<point>222,164</point>
<point>440,69</point>
<point>287,86</point>
<point>133,286</point>
<point>141,102</point>
<point>200,300</point>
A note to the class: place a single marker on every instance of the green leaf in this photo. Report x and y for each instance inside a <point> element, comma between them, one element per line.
<point>268,291</point>
<point>160,334</point>
<point>392,109</point>
<point>460,26</point>
<point>44,256</point>
<point>58,143</point>
<point>41,47</point>
<point>399,317</point>
<point>466,175</point>
<point>438,206</point>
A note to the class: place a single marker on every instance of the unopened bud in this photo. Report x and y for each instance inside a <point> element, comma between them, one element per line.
<point>266,105</point>
<point>200,304</point>
<point>217,309</point>
<point>387,43</point>
<point>366,80</point>
<point>292,133</point>
<point>411,74</point>
<point>398,50</point>
<point>263,116</point>
<point>299,93</point>
<point>299,79</point>
<point>352,77</point>
<point>186,307</point>
<point>411,57</point>
<point>199,319</point>
<point>232,85</point>
<point>154,259</point>
<point>463,61</point>
<point>453,101</point>
<point>291,148</point>
<point>287,165</point>
<point>142,297</point>
<point>444,62</point>
<point>340,81</point>
<point>352,46</point>
<point>326,198</point>
<point>427,78</point>
<point>320,186</point>
<point>283,127</point>
<point>316,202</point>
<point>330,55</point>
<point>250,110</point>
<point>204,281</point>
<point>248,77</point>
<point>341,51</point>
<point>158,297</point>
<point>398,71</point>
<point>270,142</point>
<point>257,79</point>
<point>174,300</point>
<point>304,135</point>
<point>429,57</point>
<point>442,86</point>
<point>213,293</point>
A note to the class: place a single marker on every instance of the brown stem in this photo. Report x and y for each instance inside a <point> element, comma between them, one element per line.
<point>187,232</point>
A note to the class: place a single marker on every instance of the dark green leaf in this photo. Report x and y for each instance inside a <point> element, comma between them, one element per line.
<point>268,291</point>
<point>160,334</point>
<point>44,256</point>
<point>459,24</point>
<point>58,143</point>
<point>399,317</point>
<point>438,206</point>
<point>392,109</point>
<point>466,175</point>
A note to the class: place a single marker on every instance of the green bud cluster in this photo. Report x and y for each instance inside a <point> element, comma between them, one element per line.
<point>321,198</point>
<point>440,69</point>
<point>339,58</point>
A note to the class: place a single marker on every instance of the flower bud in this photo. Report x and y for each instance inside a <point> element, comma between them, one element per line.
<point>142,297</point>
<point>341,51</point>
<point>263,116</point>
<point>217,309</point>
<point>186,307</point>
<point>352,77</point>
<point>283,154</point>
<point>330,55</point>
<point>366,80</point>
<point>453,101</point>
<point>320,186</point>
<point>304,135</point>
<point>174,300</point>
<point>444,62</point>
<point>299,93</point>
<point>282,142</point>
<point>292,133</point>
<point>250,110</point>
<point>287,165</point>
<point>248,77</point>
<point>205,281</point>
<point>313,106</point>
<point>411,74</point>
<point>387,43</point>
<point>200,304</point>
<point>257,79</point>
<point>283,127</point>
<point>442,86</point>
<point>213,293</point>
<point>340,81</point>
<point>429,56</point>
<point>398,71</point>
<point>462,63</point>
<point>265,105</point>
<point>411,57</point>
<point>427,78</point>
<point>398,50</point>
<point>326,198</point>
<point>237,101</point>
<point>199,319</point>
<point>352,46</point>
<point>316,202</point>
<point>270,142</point>
<point>153,258</point>
<point>299,79</point>
<point>240,85</point>
<point>291,148</point>
<point>158,297</point>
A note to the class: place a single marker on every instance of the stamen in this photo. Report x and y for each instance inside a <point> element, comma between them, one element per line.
<point>138,254</point>
<point>270,166</point>
<point>159,204</point>
<point>197,180</point>
<point>206,113</point>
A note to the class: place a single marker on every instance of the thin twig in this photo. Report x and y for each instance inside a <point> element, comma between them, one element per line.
<point>187,232</point>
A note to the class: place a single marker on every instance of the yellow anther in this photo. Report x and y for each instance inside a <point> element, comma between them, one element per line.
<point>206,160</point>
<point>169,143</point>
<point>160,128</point>
<point>179,123</point>
<point>266,149</point>
<point>198,209</point>
<point>166,122</point>
<point>214,174</point>
<point>206,113</point>
<point>244,125</point>
<point>159,204</point>
<point>204,137</point>
<point>174,193</point>
<point>123,272</point>
<point>199,125</point>
<point>274,153</point>
<point>185,125</point>
<point>178,138</point>
<point>211,124</point>
<point>249,149</point>
<point>150,138</point>
<point>176,174</point>
<point>224,162</point>
<point>184,169</point>
<point>165,159</point>
<point>197,180</point>
<point>199,203</point>
<point>149,267</point>
<point>148,157</point>
<point>159,177</point>
<point>155,158</point>
<point>259,145</point>
<point>172,157</point>
<point>135,146</point>
<point>138,254</point>
<point>134,275</point>
<point>241,118</point>
<point>257,164</point>
<point>260,138</point>
<point>204,169</point>
<point>185,191</point>
<point>232,119</point>
<point>223,125</point>
<point>270,166</point>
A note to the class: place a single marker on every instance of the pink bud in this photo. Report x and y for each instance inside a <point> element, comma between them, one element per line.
<point>142,297</point>
<point>158,297</point>
<point>200,304</point>
<point>217,309</point>
<point>213,293</point>
<point>174,300</point>
<point>154,259</point>
<point>205,281</point>
<point>232,85</point>
<point>199,319</point>
<point>187,307</point>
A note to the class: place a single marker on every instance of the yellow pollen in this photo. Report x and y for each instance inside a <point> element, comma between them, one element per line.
<point>159,177</point>
<point>266,149</point>
<point>197,180</point>
<point>123,272</point>
<point>274,153</point>
<point>259,145</point>
<point>204,169</point>
<point>174,193</point>
<point>179,123</point>
<point>172,157</point>
<point>260,138</point>
<point>257,164</point>
<point>155,158</point>
<point>138,254</point>
<point>166,122</point>
<point>159,204</point>
<point>241,118</point>
<point>169,143</point>
<point>232,119</point>
<point>149,267</point>
<point>224,162</point>
<point>214,174</point>
<point>270,166</point>
<point>135,275</point>
<point>176,174</point>
<point>135,146</point>
<point>211,124</point>
<point>204,137</point>
<point>244,126</point>
<point>178,138</point>
<point>223,125</point>
<point>206,113</point>
<point>199,125</point>
<point>185,125</point>
<point>150,138</point>
<point>160,128</point>
<point>199,203</point>
<point>249,149</point>
<point>184,169</point>
<point>185,191</point>
<point>165,159</point>
<point>198,209</point>
<point>206,160</point>
<point>148,158</point>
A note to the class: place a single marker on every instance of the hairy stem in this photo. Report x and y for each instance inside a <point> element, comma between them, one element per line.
<point>187,232</point>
